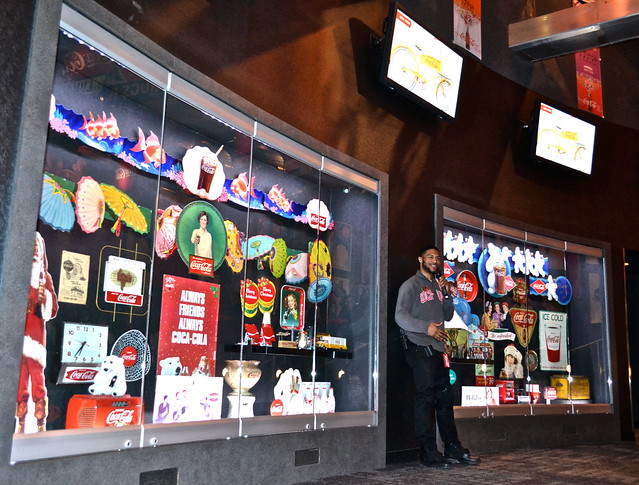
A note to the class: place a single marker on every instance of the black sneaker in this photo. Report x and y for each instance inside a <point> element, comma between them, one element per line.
<point>432,459</point>
<point>458,455</point>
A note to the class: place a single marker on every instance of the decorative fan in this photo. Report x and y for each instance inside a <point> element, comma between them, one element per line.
<point>56,208</point>
<point>135,351</point>
<point>89,205</point>
<point>125,209</point>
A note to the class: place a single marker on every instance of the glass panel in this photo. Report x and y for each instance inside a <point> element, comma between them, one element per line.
<point>504,319</point>
<point>88,308</point>
<point>195,310</point>
<point>279,318</point>
<point>470,350</point>
<point>553,341</point>
<point>346,318</point>
<point>587,324</point>
<point>550,341</point>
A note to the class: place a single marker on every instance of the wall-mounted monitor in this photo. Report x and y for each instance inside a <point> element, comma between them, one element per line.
<point>561,138</point>
<point>419,66</point>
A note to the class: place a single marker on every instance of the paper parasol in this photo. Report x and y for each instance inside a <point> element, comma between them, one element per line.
<point>125,209</point>
<point>89,205</point>
<point>56,208</point>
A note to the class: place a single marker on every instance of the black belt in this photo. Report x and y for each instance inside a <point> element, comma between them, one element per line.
<point>427,349</point>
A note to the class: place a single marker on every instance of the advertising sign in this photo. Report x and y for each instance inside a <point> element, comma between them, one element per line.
<point>467,25</point>
<point>188,327</point>
<point>74,278</point>
<point>123,281</point>
<point>186,388</point>
<point>480,396</point>
<point>553,344</point>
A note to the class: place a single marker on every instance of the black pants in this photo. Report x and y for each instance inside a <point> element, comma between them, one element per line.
<point>433,398</point>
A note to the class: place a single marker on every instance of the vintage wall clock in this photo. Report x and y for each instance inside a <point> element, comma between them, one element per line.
<point>84,343</point>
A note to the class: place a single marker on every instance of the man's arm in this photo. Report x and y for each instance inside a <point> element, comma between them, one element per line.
<point>402,311</point>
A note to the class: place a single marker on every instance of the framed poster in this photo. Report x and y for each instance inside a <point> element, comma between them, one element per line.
<point>553,342</point>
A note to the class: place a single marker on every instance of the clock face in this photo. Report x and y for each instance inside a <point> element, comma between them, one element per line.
<point>84,344</point>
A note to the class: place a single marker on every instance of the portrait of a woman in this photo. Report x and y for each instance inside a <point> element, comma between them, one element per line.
<point>201,237</point>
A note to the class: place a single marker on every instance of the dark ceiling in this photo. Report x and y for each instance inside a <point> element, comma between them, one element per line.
<point>213,35</point>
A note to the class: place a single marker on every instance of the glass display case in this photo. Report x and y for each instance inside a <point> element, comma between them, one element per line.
<point>532,332</point>
<point>196,274</point>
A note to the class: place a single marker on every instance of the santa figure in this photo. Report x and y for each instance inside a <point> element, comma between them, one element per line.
<point>42,306</point>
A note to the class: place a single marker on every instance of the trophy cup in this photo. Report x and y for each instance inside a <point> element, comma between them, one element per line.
<point>241,376</point>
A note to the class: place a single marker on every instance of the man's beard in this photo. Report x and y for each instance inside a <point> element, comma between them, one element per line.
<point>426,269</point>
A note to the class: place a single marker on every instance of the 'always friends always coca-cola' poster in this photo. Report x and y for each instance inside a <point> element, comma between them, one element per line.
<point>188,327</point>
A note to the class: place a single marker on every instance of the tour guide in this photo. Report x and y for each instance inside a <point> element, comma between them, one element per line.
<point>422,307</point>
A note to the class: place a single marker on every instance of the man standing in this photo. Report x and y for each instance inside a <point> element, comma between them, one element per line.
<point>422,307</point>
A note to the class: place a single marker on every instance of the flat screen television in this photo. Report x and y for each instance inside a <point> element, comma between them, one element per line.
<point>562,139</point>
<point>419,66</point>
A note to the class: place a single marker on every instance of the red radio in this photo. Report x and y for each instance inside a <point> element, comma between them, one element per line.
<point>87,411</point>
<point>506,391</point>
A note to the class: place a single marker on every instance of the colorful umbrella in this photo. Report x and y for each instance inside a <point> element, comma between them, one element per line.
<point>125,209</point>
<point>89,205</point>
<point>56,208</point>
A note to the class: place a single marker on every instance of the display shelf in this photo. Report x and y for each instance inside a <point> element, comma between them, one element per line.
<point>258,349</point>
<point>471,361</point>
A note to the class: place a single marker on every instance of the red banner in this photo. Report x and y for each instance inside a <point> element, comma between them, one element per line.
<point>467,25</point>
<point>589,88</point>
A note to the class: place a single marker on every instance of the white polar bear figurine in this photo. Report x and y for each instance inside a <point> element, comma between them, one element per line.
<point>110,379</point>
<point>494,258</point>
<point>171,366</point>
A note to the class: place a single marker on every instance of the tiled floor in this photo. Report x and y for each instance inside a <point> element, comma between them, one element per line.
<point>616,463</point>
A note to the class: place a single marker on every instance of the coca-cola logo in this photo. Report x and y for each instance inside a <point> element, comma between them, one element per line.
<point>523,317</point>
<point>81,374</point>
<point>128,299</point>
<point>129,355</point>
<point>318,221</point>
<point>539,286</point>
<point>120,417</point>
<point>465,287</point>
<point>199,265</point>
<point>123,298</point>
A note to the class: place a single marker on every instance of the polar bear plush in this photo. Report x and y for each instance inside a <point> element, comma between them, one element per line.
<point>110,379</point>
<point>494,258</point>
<point>171,366</point>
